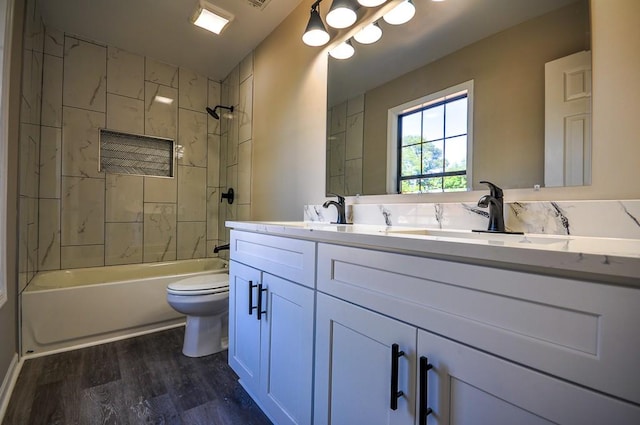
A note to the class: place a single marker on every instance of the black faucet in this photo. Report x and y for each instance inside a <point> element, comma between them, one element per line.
<point>496,207</point>
<point>219,248</point>
<point>342,217</point>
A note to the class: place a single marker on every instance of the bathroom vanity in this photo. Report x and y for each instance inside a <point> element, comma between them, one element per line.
<point>382,325</point>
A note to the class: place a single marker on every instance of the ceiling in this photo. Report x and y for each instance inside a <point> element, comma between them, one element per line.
<point>161,29</point>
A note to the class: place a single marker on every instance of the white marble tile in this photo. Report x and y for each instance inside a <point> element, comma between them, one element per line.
<point>353,176</point>
<point>354,136</point>
<point>192,241</point>
<point>355,105</point>
<point>54,42</point>
<point>160,117</point>
<point>50,162</point>
<point>244,212</point>
<point>232,182</point>
<point>337,154</point>
<point>29,167</point>
<point>32,253</point>
<point>159,232</point>
<point>124,198</point>
<point>244,114</point>
<point>31,87</point>
<point>49,235</point>
<point>339,118</point>
<point>80,142</point>
<point>222,217</point>
<point>82,211</point>
<point>52,91</point>
<point>123,243</point>
<point>232,141</point>
<point>246,67</point>
<point>160,189</point>
<point>213,99</point>
<point>222,177</point>
<point>85,69</point>
<point>233,83</point>
<point>125,114</point>
<point>192,136</point>
<point>192,91</point>
<point>213,160</point>
<point>244,173</point>
<point>125,73</point>
<point>213,207</point>
<point>33,27</point>
<point>74,257</point>
<point>161,73</point>
<point>192,193</point>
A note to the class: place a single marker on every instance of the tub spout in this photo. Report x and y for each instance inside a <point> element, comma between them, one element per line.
<point>219,248</point>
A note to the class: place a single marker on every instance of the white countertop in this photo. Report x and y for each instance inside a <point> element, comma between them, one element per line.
<point>610,260</point>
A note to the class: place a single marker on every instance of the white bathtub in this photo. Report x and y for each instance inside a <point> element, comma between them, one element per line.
<point>69,308</point>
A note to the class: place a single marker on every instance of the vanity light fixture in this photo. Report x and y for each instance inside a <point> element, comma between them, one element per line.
<point>316,34</point>
<point>342,14</point>
<point>400,14</point>
<point>371,3</point>
<point>369,34</point>
<point>211,17</point>
<point>343,50</point>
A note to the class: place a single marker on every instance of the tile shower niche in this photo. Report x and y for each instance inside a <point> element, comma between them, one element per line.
<point>123,153</point>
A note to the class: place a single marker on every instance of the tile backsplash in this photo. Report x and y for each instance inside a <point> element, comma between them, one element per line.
<point>616,219</point>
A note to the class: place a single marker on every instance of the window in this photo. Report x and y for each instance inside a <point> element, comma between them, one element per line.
<point>433,142</point>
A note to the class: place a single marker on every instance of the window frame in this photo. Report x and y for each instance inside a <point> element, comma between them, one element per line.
<point>393,114</point>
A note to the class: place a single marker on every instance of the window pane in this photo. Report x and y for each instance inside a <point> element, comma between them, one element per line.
<point>410,161</point>
<point>411,129</point>
<point>432,184</point>
<point>456,122</point>
<point>432,157</point>
<point>456,154</point>
<point>433,123</point>
<point>410,186</point>
<point>455,183</point>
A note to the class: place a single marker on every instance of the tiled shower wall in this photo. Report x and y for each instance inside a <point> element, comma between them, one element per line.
<point>87,218</point>
<point>344,147</point>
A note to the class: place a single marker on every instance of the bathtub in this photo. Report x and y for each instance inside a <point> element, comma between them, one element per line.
<point>66,309</point>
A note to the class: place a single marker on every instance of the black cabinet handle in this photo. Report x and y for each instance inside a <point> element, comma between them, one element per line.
<point>259,307</point>
<point>395,394</point>
<point>425,410</point>
<point>251,306</point>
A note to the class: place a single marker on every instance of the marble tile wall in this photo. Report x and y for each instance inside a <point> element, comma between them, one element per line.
<point>74,215</point>
<point>344,147</point>
<point>29,143</point>
<point>614,219</point>
<point>236,146</point>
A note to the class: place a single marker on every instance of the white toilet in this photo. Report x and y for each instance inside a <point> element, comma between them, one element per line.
<point>205,301</point>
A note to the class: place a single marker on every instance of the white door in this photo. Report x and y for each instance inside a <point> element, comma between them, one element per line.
<point>567,142</point>
<point>470,387</point>
<point>286,380</point>
<point>244,327</point>
<point>353,379</point>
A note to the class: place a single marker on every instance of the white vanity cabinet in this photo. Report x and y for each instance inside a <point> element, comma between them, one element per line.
<point>271,317</point>
<point>505,347</point>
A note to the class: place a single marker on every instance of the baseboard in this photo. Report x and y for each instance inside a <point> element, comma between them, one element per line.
<point>8,384</point>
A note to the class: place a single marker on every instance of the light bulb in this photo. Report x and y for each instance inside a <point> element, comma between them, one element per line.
<point>400,14</point>
<point>342,14</point>
<point>369,34</point>
<point>371,3</point>
<point>343,50</point>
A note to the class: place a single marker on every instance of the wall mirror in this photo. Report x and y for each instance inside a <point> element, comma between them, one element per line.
<point>503,46</point>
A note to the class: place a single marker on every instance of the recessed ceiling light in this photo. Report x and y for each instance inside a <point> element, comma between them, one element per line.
<point>211,17</point>
<point>162,99</point>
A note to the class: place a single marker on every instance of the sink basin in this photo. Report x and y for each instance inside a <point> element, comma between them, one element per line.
<point>482,236</point>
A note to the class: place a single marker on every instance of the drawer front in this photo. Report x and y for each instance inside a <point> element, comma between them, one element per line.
<point>581,331</point>
<point>291,259</point>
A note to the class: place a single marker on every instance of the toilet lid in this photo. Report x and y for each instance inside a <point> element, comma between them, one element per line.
<point>200,285</point>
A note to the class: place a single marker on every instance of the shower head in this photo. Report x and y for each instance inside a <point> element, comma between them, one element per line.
<point>213,112</point>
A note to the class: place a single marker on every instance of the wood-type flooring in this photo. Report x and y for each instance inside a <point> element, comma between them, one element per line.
<point>141,380</point>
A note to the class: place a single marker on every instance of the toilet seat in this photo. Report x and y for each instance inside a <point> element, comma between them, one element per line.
<point>200,285</point>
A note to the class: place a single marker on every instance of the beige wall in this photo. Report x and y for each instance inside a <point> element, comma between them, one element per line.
<point>508,104</point>
<point>290,121</point>
<point>8,312</point>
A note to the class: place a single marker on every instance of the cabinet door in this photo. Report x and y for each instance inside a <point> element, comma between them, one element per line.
<point>244,327</point>
<point>470,387</point>
<point>286,380</point>
<point>353,378</point>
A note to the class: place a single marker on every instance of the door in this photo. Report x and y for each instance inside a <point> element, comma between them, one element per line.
<point>286,380</point>
<point>354,362</point>
<point>567,130</point>
<point>244,326</point>
<point>470,387</point>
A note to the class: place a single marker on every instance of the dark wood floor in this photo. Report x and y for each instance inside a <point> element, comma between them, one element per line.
<point>142,380</point>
